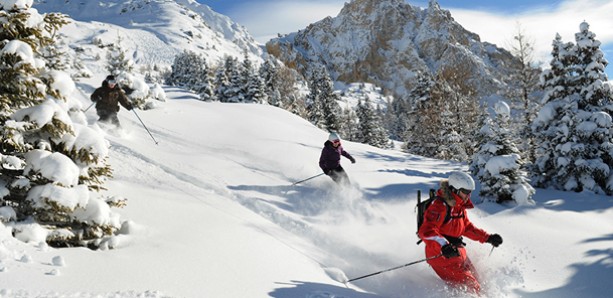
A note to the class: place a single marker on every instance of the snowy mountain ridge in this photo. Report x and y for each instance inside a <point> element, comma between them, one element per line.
<point>387,42</point>
<point>167,28</point>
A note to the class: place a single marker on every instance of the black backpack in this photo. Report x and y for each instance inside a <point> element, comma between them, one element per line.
<point>423,205</point>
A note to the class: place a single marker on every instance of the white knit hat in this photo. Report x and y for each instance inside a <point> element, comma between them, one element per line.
<point>333,136</point>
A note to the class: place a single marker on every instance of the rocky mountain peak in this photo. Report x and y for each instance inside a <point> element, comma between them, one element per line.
<point>387,42</point>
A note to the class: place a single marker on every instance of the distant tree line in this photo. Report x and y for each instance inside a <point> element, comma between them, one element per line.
<point>273,83</point>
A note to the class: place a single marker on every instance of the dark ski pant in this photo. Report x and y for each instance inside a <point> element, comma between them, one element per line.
<point>339,176</point>
<point>108,117</point>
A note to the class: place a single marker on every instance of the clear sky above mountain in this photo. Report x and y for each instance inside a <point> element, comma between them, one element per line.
<point>494,21</point>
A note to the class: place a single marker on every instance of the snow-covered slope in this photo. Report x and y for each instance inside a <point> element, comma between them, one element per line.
<point>164,27</point>
<point>212,213</point>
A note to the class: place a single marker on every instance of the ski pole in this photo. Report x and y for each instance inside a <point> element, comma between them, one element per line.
<point>307,179</point>
<point>141,122</point>
<point>91,105</point>
<point>397,267</point>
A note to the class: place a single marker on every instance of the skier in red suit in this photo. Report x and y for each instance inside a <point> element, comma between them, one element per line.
<point>444,236</point>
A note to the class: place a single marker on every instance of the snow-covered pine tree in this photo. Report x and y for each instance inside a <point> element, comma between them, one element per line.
<point>322,101</point>
<point>349,127</point>
<point>390,121</point>
<point>267,74</point>
<point>117,59</point>
<point>221,82</point>
<point>234,90</point>
<point>329,99</point>
<point>51,160</point>
<point>371,130</point>
<point>313,100</point>
<point>450,141</point>
<point>593,125</point>
<point>408,119</point>
<point>204,86</point>
<point>550,127</point>
<point>253,85</point>
<point>180,69</point>
<point>54,54</point>
<point>444,116</point>
<point>191,71</point>
<point>498,164</point>
<point>575,119</point>
<point>422,136</point>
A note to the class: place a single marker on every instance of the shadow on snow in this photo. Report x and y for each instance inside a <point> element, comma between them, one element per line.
<point>590,279</point>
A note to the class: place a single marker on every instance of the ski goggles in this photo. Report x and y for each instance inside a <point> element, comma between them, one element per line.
<point>465,191</point>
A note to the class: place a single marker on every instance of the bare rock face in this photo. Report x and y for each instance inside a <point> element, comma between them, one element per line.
<point>386,42</point>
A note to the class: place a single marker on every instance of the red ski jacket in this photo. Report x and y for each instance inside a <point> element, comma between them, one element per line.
<point>434,229</point>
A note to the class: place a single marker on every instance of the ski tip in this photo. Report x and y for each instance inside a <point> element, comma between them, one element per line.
<point>337,275</point>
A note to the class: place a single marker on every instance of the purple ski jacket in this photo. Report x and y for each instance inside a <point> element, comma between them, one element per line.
<point>331,157</point>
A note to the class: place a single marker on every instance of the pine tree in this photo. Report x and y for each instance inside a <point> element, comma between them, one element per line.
<point>191,71</point>
<point>59,196</point>
<point>370,126</point>
<point>253,85</point>
<point>180,70</point>
<point>204,85</point>
<point>117,59</point>
<point>349,127</point>
<point>408,118</point>
<point>221,83</point>
<point>498,163</point>
<point>551,124</point>
<point>234,90</point>
<point>593,125</point>
<point>322,102</point>
<point>422,137</point>
<point>574,121</point>
<point>267,73</point>
<point>331,109</point>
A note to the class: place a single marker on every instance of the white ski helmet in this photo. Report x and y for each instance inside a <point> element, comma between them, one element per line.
<point>461,180</point>
<point>333,136</point>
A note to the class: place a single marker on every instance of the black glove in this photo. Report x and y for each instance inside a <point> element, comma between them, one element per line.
<point>327,171</point>
<point>129,107</point>
<point>352,160</point>
<point>494,239</point>
<point>450,251</point>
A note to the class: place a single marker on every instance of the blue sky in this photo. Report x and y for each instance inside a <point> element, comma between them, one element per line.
<point>494,21</point>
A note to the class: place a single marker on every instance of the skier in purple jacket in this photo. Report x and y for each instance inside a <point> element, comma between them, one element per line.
<point>330,159</point>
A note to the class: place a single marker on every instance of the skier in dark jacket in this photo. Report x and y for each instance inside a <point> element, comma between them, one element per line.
<point>107,99</point>
<point>330,159</point>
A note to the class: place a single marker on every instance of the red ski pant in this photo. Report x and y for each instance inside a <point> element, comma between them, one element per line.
<point>458,274</point>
